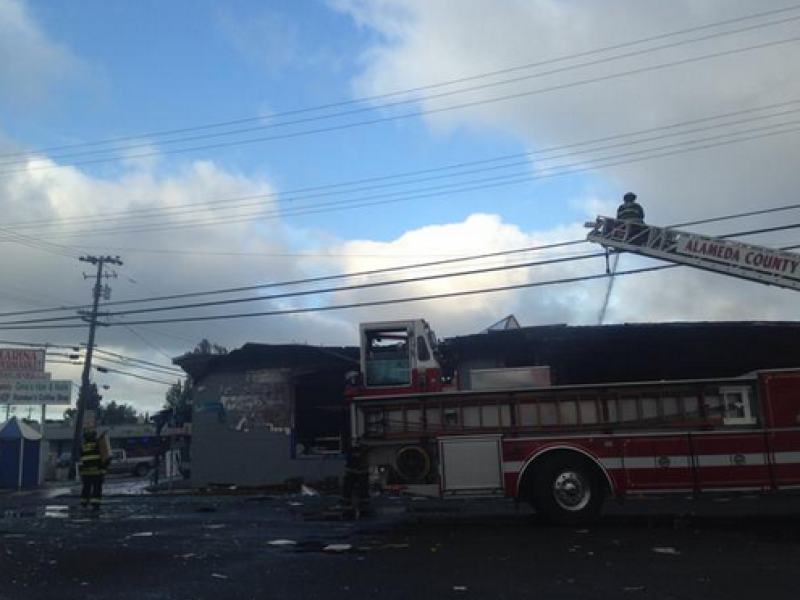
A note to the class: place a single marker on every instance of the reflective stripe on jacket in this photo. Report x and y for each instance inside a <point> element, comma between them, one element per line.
<point>91,463</point>
<point>630,211</point>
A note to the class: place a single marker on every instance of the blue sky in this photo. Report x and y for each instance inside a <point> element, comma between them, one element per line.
<point>153,66</point>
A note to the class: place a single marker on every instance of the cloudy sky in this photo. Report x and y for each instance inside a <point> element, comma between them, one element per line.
<point>232,144</point>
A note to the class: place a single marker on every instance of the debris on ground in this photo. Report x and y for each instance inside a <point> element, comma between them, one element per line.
<point>307,490</point>
<point>337,548</point>
<point>282,543</point>
<point>666,550</point>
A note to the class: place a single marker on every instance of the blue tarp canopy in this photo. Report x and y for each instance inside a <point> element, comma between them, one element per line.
<point>19,455</point>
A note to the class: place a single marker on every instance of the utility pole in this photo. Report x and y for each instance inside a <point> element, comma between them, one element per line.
<point>85,390</point>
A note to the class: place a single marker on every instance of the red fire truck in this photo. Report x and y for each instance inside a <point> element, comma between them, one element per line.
<point>565,449</point>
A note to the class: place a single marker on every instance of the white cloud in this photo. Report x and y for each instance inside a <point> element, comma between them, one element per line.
<point>52,195</point>
<point>30,62</point>
<point>420,43</point>
<point>66,192</point>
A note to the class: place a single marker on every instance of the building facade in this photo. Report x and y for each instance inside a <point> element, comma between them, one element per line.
<point>267,414</point>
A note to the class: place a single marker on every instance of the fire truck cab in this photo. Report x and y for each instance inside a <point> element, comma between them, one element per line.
<point>398,357</point>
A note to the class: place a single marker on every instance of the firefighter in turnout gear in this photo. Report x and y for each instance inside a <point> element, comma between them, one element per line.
<point>630,210</point>
<point>631,214</point>
<point>92,471</point>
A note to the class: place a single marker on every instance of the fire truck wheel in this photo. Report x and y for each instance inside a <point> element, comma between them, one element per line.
<point>568,490</point>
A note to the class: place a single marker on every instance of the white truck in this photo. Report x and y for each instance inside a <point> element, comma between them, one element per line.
<point>123,464</point>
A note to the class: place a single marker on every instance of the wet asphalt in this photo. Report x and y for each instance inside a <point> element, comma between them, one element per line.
<point>295,547</point>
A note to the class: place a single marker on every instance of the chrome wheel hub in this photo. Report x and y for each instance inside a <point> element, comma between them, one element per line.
<point>571,491</point>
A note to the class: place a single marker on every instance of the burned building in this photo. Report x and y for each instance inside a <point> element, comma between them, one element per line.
<point>265,414</point>
<point>631,352</point>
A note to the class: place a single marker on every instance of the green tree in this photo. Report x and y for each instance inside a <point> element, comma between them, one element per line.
<point>117,414</point>
<point>206,347</point>
<point>178,395</point>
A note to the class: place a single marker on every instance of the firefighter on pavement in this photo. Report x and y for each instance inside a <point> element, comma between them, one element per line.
<point>630,210</point>
<point>92,471</point>
<point>356,483</point>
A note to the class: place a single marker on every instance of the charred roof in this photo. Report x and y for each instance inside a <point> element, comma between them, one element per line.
<point>267,356</point>
<point>636,352</point>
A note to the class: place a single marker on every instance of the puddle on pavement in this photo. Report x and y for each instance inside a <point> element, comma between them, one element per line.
<point>60,511</point>
<point>51,511</point>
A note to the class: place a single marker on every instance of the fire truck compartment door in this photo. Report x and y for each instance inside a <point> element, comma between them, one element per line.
<point>471,465</point>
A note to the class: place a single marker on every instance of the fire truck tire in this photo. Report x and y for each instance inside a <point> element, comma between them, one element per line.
<point>568,490</point>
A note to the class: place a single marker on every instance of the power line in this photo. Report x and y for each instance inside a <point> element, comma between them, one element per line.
<point>414,90</point>
<point>361,304</point>
<point>358,185</point>
<point>425,112</point>
<point>218,317</point>
<point>136,376</point>
<point>136,367</point>
<point>388,269</point>
<point>128,359</point>
<point>620,159</point>
<point>103,369</point>
<point>149,343</point>
<point>406,281</point>
<point>311,279</point>
<point>314,292</point>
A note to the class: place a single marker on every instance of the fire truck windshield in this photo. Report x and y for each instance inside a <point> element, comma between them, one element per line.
<point>387,359</point>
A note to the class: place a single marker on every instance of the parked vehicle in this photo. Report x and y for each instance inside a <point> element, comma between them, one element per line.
<point>122,463</point>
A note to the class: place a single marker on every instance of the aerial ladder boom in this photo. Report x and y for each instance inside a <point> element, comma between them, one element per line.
<point>769,266</point>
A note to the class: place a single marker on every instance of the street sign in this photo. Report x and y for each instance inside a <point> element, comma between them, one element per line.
<point>37,392</point>
<point>28,360</point>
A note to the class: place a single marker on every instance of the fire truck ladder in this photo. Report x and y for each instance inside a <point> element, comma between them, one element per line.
<point>769,266</point>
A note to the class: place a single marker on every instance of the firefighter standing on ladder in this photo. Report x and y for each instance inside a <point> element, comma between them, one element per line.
<point>630,210</point>
<point>631,214</point>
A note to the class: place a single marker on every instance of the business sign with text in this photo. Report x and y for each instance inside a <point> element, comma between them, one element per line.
<point>23,360</point>
<point>36,392</point>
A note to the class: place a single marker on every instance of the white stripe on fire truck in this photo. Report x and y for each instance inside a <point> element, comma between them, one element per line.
<point>727,460</point>
<point>679,461</point>
<point>785,458</point>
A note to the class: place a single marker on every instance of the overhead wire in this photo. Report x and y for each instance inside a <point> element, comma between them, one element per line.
<point>382,271</point>
<point>625,158</point>
<point>308,280</point>
<point>373,98</point>
<point>108,355</point>
<point>415,90</point>
<point>317,291</point>
<point>425,112</point>
<point>136,367</point>
<point>372,303</point>
<point>424,175</point>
